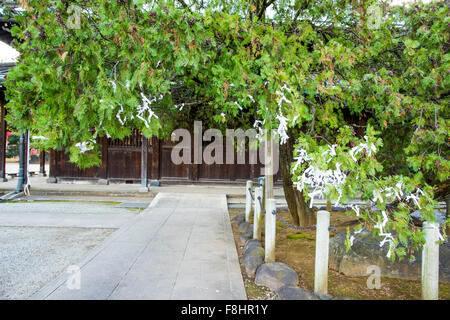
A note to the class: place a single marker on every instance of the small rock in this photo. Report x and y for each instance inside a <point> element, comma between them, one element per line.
<point>243,226</point>
<point>252,259</point>
<point>254,251</point>
<point>295,293</point>
<point>155,183</point>
<point>274,275</point>
<point>51,180</point>
<point>103,182</point>
<point>246,236</point>
<point>253,248</point>
<point>252,243</point>
<point>325,297</point>
<point>438,214</point>
<point>239,219</point>
<point>355,262</point>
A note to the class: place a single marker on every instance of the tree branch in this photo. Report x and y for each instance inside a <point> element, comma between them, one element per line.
<point>264,7</point>
<point>184,4</point>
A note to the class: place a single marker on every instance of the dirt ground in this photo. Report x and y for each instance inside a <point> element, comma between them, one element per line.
<point>297,249</point>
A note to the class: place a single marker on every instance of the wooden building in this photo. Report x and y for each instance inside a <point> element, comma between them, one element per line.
<point>137,159</point>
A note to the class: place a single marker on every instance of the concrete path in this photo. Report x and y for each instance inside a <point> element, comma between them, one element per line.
<point>181,247</point>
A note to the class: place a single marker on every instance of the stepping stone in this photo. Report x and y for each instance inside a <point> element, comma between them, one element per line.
<point>275,275</point>
<point>295,293</point>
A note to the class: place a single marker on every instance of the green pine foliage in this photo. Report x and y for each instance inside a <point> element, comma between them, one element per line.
<point>331,70</point>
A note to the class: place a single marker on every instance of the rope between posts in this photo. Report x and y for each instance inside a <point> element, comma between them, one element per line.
<point>355,239</point>
<point>251,194</point>
<point>331,228</point>
<point>260,205</point>
<point>274,212</point>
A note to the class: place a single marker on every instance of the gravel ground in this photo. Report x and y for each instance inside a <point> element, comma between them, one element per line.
<point>32,256</point>
<point>62,207</point>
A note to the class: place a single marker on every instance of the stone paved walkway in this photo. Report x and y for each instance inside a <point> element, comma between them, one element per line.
<point>180,247</point>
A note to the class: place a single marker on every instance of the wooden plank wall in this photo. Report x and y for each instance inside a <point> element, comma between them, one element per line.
<point>122,160</point>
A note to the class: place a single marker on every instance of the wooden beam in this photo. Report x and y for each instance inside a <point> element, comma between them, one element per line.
<point>53,172</point>
<point>42,163</point>
<point>156,156</point>
<point>194,172</point>
<point>103,172</point>
<point>193,168</point>
<point>144,162</point>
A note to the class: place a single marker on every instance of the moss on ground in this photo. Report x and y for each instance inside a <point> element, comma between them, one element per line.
<point>296,236</point>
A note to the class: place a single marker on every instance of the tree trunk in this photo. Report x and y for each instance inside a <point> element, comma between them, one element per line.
<point>301,214</point>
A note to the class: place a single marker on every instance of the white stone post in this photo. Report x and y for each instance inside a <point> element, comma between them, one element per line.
<point>321,262</point>
<point>268,168</point>
<point>248,199</point>
<point>270,230</point>
<point>430,262</point>
<point>263,201</point>
<point>257,213</point>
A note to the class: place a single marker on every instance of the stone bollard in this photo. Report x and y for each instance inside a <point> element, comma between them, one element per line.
<point>248,200</point>
<point>263,200</point>
<point>322,247</point>
<point>257,213</point>
<point>430,262</point>
<point>264,195</point>
<point>270,231</point>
